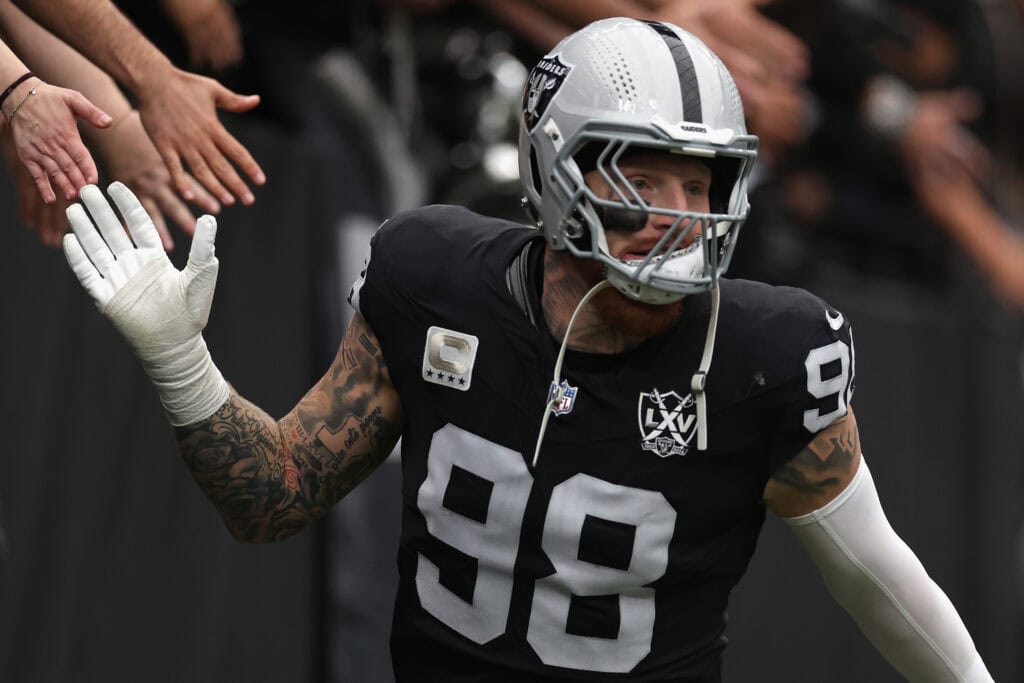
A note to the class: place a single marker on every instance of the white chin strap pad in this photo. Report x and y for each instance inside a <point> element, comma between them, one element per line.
<point>872,573</point>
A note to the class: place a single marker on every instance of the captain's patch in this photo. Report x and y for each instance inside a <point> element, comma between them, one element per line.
<point>448,358</point>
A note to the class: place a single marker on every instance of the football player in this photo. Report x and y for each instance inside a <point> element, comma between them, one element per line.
<point>583,483</point>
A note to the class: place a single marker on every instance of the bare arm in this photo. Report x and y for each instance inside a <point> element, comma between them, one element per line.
<point>102,33</point>
<point>270,479</point>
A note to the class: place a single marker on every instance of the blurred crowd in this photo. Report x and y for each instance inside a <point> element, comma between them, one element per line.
<point>890,143</point>
<point>881,124</point>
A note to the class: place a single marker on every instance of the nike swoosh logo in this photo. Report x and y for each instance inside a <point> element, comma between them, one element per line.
<point>836,322</point>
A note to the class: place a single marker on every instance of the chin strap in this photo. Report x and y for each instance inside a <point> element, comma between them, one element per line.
<point>556,391</point>
<point>698,383</point>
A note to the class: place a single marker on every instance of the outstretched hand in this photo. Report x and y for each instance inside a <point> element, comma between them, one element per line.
<point>47,221</point>
<point>46,137</point>
<point>159,310</point>
<point>129,156</point>
<point>180,115</point>
<point>133,282</point>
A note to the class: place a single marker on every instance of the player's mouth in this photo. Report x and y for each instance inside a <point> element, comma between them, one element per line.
<point>632,256</point>
<point>637,255</point>
<point>637,251</point>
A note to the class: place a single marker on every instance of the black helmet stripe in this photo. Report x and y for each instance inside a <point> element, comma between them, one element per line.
<point>684,68</point>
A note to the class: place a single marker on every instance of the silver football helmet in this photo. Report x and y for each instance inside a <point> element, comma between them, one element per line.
<point>611,89</point>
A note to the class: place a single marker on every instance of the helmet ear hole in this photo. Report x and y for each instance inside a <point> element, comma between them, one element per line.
<point>724,173</point>
<point>531,208</point>
<point>587,156</point>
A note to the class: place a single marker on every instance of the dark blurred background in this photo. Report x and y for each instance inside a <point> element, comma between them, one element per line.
<point>890,184</point>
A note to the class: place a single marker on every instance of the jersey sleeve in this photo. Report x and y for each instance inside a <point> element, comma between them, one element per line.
<point>386,265</point>
<point>355,292</point>
<point>821,384</point>
<point>400,263</point>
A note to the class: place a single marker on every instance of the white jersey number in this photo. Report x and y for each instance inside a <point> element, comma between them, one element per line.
<point>838,386</point>
<point>494,541</point>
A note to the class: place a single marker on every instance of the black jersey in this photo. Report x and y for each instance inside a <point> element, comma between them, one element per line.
<point>614,557</point>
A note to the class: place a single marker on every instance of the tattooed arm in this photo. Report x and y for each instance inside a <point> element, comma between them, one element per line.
<point>270,479</point>
<point>818,473</point>
<point>827,497</point>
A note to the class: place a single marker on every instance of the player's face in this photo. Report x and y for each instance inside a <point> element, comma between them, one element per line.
<point>663,180</point>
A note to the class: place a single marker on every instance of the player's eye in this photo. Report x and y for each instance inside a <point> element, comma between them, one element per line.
<point>696,189</point>
<point>643,187</point>
<point>641,184</point>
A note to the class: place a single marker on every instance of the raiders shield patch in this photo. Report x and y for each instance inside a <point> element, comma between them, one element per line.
<point>545,80</point>
<point>668,422</point>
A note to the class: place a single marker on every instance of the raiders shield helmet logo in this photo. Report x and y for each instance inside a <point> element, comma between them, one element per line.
<point>545,80</point>
<point>668,422</point>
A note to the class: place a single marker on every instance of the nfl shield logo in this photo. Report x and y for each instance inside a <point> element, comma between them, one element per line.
<point>668,422</point>
<point>565,397</point>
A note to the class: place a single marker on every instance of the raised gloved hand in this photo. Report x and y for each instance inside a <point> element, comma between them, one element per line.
<point>161,311</point>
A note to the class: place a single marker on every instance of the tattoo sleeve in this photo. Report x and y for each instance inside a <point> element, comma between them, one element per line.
<point>819,472</point>
<point>270,479</point>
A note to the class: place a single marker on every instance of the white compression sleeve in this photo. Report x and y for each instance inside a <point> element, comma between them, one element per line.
<point>879,581</point>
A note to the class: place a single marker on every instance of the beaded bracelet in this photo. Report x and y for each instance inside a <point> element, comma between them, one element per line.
<point>21,79</point>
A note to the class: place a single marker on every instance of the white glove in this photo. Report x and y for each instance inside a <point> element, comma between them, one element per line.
<point>161,311</point>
